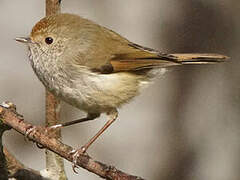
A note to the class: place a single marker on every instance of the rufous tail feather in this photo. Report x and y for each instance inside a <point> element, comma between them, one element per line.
<point>199,58</point>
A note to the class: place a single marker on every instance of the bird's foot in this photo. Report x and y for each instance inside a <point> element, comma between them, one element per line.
<point>51,130</point>
<point>29,130</point>
<point>75,154</point>
<point>54,127</point>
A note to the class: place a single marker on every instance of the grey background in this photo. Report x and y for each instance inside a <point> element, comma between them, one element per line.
<point>185,126</point>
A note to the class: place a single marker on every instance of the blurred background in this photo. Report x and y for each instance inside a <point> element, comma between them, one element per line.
<point>185,126</point>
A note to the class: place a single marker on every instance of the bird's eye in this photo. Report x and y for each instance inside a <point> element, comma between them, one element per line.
<point>49,40</point>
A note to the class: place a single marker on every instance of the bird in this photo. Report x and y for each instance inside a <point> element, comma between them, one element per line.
<point>94,68</point>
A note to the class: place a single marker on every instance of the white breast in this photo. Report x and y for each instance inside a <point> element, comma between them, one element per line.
<point>102,92</point>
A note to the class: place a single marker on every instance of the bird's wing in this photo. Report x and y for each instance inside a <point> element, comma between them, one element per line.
<point>138,58</point>
<point>113,53</point>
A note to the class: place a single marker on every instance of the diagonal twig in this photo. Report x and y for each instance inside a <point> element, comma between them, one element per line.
<point>40,136</point>
<point>9,165</point>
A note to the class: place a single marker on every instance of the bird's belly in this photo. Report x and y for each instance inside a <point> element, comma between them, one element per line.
<point>101,92</point>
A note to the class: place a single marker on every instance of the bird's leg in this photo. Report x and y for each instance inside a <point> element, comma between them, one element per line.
<point>112,117</point>
<point>88,118</point>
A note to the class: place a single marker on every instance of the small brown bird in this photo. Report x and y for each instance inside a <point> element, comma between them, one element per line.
<point>94,68</point>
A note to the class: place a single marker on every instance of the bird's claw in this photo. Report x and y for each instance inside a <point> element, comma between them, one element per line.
<point>29,130</point>
<point>32,129</point>
<point>51,130</point>
<point>75,154</point>
<point>40,146</point>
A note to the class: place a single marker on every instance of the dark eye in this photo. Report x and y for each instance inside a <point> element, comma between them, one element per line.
<point>49,40</point>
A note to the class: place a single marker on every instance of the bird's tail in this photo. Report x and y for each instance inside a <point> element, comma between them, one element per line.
<point>196,58</point>
<point>149,60</point>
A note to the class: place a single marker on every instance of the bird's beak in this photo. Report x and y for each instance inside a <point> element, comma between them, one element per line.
<point>23,39</point>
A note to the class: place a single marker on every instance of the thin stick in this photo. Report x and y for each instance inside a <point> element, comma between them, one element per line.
<point>17,170</point>
<point>9,165</point>
<point>12,163</point>
<point>54,163</point>
<point>40,136</point>
<point>53,7</point>
<point>3,162</point>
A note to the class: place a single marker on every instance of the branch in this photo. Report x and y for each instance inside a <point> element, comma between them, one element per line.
<point>3,162</point>
<point>40,136</point>
<point>54,163</point>
<point>53,7</point>
<point>13,165</point>
<point>9,164</point>
<point>18,171</point>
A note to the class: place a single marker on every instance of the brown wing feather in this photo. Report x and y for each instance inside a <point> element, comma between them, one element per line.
<point>144,58</point>
<point>137,64</point>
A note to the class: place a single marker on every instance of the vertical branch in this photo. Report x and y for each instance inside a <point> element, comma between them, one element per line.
<point>53,107</point>
<point>53,7</point>
<point>3,162</point>
<point>13,165</point>
<point>54,163</point>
